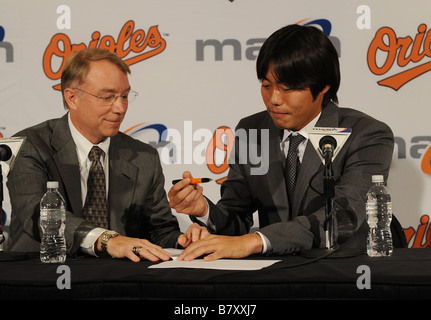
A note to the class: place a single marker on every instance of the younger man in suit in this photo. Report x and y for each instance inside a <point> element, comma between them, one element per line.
<point>299,71</point>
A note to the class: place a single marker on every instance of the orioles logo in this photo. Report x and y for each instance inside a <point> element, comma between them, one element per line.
<point>421,238</point>
<point>402,51</point>
<point>129,41</point>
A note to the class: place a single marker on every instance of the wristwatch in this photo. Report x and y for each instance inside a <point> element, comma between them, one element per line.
<point>105,237</point>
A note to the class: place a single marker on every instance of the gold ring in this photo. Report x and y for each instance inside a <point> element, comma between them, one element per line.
<point>136,250</point>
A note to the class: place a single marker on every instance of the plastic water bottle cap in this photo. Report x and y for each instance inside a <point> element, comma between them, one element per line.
<point>377,178</point>
<point>52,185</point>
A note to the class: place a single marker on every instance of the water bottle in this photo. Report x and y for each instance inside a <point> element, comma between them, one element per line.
<point>52,223</point>
<point>379,217</point>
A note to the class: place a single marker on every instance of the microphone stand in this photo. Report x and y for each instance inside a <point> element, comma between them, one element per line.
<point>327,146</point>
<point>332,250</point>
<point>328,225</point>
<point>2,237</point>
<point>329,192</point>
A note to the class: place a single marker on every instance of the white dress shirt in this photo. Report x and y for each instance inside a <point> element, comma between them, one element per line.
<point>83,147</point>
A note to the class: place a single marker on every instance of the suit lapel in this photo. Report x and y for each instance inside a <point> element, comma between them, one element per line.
<point>66,161</point>
<point>309,166</point>
<point>122,179</point>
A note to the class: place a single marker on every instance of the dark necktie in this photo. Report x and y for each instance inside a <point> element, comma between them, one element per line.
<point>95,203</point>
<point>292,165</point>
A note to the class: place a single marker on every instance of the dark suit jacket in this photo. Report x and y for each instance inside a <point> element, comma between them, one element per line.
<point>137,201</point>
<point>368,151</point>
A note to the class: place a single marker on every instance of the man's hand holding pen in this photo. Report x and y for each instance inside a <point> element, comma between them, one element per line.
<point>186,196</point>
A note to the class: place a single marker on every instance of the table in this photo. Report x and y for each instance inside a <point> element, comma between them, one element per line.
<point>404,275</point>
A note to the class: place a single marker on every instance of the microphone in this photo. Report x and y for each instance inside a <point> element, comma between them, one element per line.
<point>5,152</point>
<point>328,141</point>
<point>327,145</point>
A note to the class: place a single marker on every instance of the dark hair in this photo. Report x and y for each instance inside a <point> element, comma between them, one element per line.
<point>302,57</point>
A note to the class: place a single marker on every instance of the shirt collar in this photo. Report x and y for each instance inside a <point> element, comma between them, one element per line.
<point>303,131</point>
<point>83,146</point>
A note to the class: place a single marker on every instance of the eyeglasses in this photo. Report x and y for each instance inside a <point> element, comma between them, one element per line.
<point>109,99</point>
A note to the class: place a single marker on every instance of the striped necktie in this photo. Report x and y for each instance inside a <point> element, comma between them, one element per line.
<point>292,165</point>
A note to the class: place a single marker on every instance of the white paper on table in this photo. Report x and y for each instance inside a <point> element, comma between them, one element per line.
<point>221,264</point>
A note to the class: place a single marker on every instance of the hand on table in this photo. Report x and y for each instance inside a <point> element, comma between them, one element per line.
<point>194,233</point>
<point>217,247</point>
<point>123,247</point>
<point>135,249</point>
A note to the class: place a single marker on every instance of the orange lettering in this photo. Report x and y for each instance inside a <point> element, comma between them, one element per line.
<point>426,162</point>
<point>60,47</point>
<point>378,44</point>
<point>125,34</point>
<point>108,43</point>
<point>404,45</point>
<point>409,233</point>
<point>420,233</point>
<point>95,36</point>
<point>53,50</point>
<point>388,48</point>
<point>153,40</point>
<point>215,143</point>
<point>416,55</point>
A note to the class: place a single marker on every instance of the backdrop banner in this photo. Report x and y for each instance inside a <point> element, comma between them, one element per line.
<point>193,65</point>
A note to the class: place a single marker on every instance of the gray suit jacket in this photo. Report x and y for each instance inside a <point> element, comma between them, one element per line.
<point>368,151</point>
<point>137,201</point>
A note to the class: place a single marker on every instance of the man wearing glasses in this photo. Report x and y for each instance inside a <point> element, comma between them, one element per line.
<point>128,215</point>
